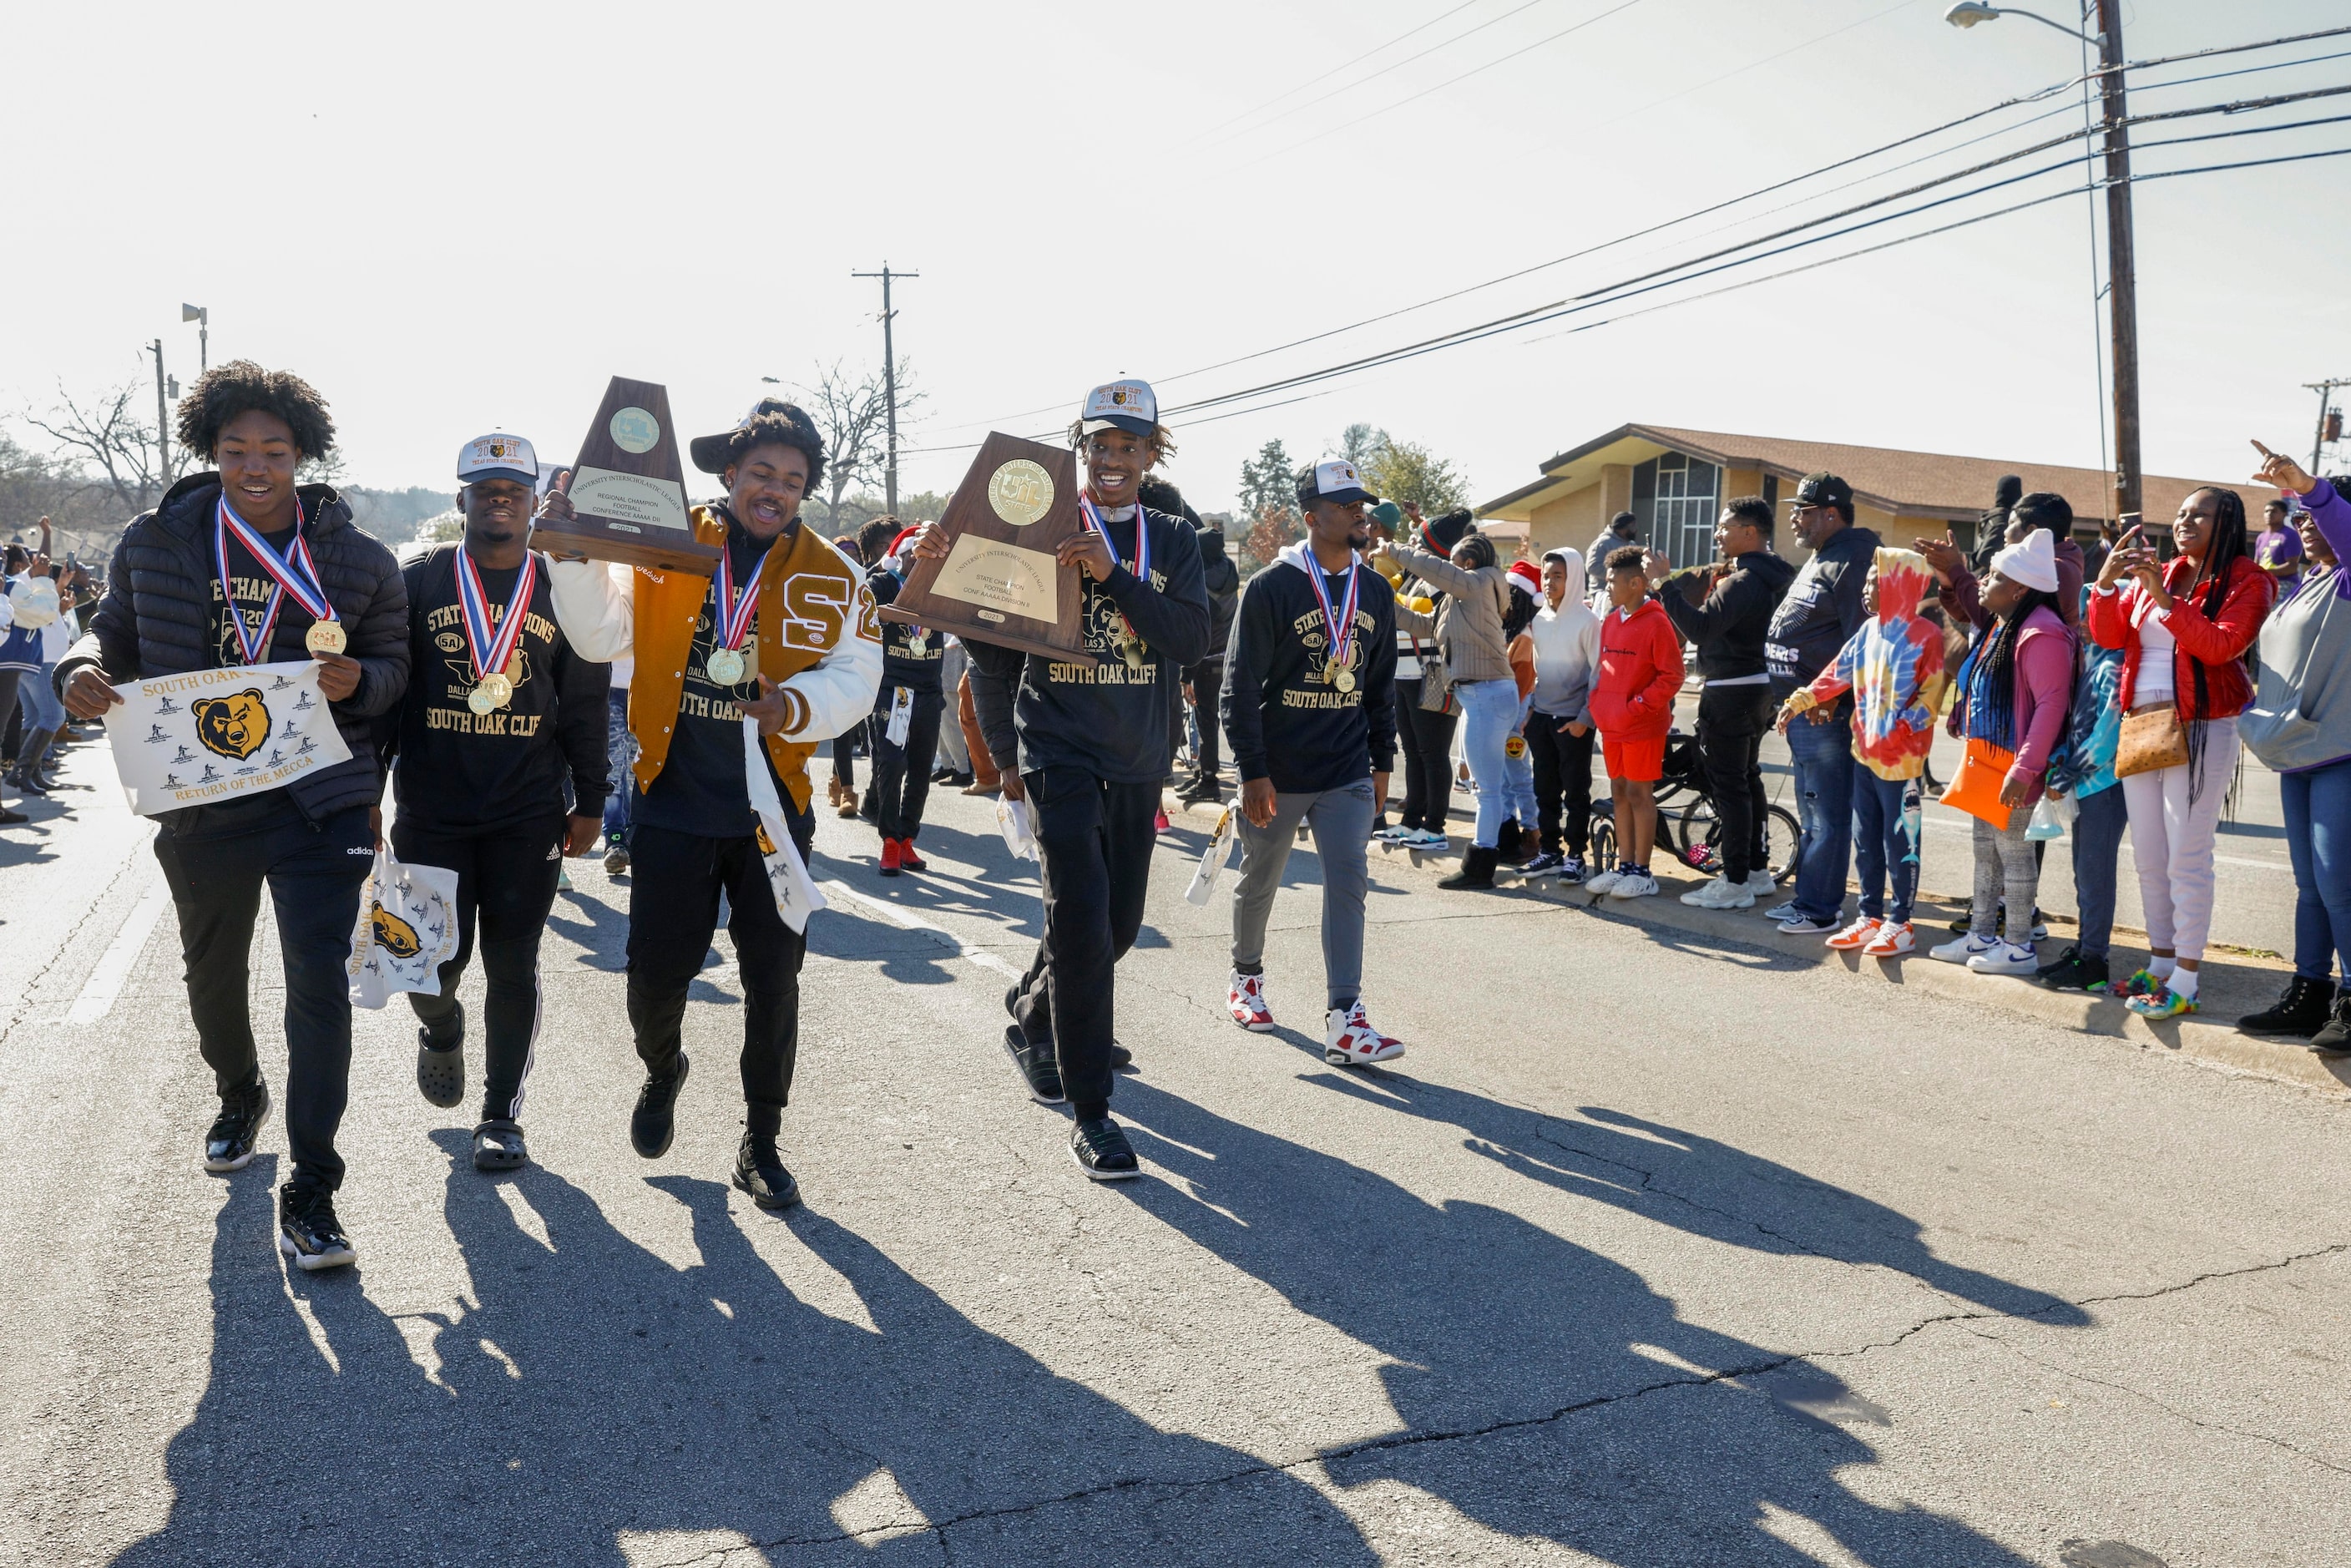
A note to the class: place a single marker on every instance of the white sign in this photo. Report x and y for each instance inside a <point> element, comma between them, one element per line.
<point>796,897</point>
<point>211,735</point>
<point>407,929</point>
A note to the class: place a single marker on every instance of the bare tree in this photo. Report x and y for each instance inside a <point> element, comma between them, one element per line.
<point>852,410</point>
<point>105,434</point>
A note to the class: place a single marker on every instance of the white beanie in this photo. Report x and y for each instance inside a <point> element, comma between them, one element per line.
<point>2031,560</point>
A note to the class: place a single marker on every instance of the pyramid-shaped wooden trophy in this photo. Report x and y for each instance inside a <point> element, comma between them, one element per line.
<point>628,489</point>
<point>1000,581</point>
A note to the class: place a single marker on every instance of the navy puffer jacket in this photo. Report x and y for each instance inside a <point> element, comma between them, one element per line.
<point>156,617</point>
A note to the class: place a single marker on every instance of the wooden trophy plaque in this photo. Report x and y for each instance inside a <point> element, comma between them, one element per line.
<point>1000,581</point>
<point>628,489</point>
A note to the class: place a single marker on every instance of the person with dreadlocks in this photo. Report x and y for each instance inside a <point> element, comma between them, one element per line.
<point>2013,694</point>
<point>784,634</point>
<point>1085,744</point>
<point>2184,628</point>
<point>1426,711</point>
<point>243,566</point>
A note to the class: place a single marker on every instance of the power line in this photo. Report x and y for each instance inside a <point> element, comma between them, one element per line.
<point>1351,65</point>
<point>1399,65</point>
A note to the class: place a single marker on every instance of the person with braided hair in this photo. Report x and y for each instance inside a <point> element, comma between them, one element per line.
<point>2184,628</point>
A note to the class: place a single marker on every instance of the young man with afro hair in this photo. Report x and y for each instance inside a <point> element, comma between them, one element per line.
<point>785,633</point>
<point>188,590</point>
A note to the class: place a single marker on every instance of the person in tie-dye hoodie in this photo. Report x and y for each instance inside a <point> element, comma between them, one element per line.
<point>1893,667</point>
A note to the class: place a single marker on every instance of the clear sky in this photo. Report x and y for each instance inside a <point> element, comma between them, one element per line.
<point>453,218</point>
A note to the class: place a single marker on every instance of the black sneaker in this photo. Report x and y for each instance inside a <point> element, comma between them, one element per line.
<point>229,1146</point>
<point>655,1122</point>
<point>441,1061</point>
<point>1099,1147</point>
<point>2072,972</point>
<point>2335,1040</point>
<point>2303,1010</point>
<point>1120,1056</point>
<point>759,1171</point>
<point>498,1145</point>
<point>308,1230</point>
<point>1039,1069</point>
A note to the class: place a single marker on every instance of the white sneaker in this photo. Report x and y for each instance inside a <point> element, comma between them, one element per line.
<point>1719,894</point>
<point>1760,882</point>
<point>2005,959</point>
<point>1959,949</point>
<point>1425,840</point>
<point>1245,1000</point>
<point>1782,911</point>
<point>1350,1041</point>
<point>1394,835</point>
<point>1602,881</point>
<point>1634,885</point>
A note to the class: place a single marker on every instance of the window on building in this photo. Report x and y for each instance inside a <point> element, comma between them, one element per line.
<point>1677,498</point>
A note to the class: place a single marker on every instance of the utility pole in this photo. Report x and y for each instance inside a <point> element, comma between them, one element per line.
<point>2325,391</point>
<point>889,381</point>
<point>2122,276</point>
<point>163,422</point>
<point>202,317</point>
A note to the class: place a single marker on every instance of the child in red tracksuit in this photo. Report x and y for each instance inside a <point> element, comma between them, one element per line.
<point>1632,705</point>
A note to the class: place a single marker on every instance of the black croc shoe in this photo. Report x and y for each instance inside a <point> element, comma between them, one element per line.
<point>498,1145</point>
<point>441,1062</point>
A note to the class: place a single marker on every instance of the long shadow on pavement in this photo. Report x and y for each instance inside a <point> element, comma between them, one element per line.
<point>1543,1390</point>
<point>597,1392</point>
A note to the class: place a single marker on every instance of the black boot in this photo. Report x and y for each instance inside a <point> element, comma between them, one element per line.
<point>759,1171</point>
<point>655,1121</point>
<point>2335,1040</point>
<point>27,774</point>
<point>1476,868</point>
<point>2301,1011</point>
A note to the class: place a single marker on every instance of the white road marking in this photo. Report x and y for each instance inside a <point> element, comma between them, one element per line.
<point>121,956</point>
<point>914,922</point>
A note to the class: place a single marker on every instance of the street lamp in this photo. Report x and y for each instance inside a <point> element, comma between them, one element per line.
<point>1968,13</point>
<point>2122,282</point>
<point>203,318</point>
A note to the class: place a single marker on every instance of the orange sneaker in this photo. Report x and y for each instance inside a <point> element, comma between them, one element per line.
<point>1856,936</point>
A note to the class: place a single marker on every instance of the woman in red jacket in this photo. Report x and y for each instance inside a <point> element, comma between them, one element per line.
<point>1633,708</point>
<point>2184,629</point>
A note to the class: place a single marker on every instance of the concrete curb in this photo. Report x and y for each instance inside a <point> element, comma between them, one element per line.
<point>2231,987</point>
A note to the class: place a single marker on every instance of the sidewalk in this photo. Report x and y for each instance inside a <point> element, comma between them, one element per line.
<point>2234,983</point>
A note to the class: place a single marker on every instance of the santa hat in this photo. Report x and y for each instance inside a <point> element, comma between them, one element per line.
<point>1527,575</point>
<point>899,540</point>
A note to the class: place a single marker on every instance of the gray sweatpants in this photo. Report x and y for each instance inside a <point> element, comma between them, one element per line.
<point>1341,821</point>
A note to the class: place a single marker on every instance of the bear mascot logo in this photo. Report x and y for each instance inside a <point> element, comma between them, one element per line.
<point>394,934</point>
<point>236,725</point>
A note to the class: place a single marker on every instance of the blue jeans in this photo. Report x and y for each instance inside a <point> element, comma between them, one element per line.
<point>1824,758</point>
<point>38,692</point>
<point>1489,712</point>
<point>2318,838</point>
<point>2098,841</point>
<point>1519,772</point>
<point>1882,849</point>
<point>621,748</point>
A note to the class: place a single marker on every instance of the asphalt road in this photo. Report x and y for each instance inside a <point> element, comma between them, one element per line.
<point>1653,1250</point>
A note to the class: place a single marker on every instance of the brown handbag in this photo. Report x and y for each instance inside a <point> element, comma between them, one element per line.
<point>2152,738</point>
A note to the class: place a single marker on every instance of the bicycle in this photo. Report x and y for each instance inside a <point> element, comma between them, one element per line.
<point>1692,833</point>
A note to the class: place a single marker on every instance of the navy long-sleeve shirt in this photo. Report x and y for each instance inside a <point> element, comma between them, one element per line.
<point>1284,718</point>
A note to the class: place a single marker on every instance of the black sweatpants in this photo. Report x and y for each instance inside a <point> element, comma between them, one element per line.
<point>506,886</point>
<point>1208,681</point>
<point>902,774</point>
<point>1563,784</point>
<point>1428,741</point>
<point>314,875</point>
<point>1093,858</point>
<point>673,914</point>
<point>1730,725</point>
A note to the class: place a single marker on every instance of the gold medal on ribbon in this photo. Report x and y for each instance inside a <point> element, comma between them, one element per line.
<point>724,666</point>
<point>1344,680</point>
<point>326,637</point>
<point>494,693</point>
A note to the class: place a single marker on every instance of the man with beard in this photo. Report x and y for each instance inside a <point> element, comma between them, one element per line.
<point>786,633</point>
<point>500,716</point>
<point>1311,706</point>
<point>1086,746</point>
<point>243,567</point>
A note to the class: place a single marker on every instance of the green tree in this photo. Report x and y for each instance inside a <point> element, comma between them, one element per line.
<point>1362,445</point>
<point>1268,484</point>
<point>1404,471</point>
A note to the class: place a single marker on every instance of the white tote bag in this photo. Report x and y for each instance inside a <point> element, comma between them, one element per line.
<point>407,929</point>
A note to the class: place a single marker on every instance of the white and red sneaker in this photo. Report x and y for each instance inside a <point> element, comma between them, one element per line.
<point>1245,1000</point>
<point>1350,1041</point>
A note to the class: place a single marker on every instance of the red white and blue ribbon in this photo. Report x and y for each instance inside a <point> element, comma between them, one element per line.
<point>1340,631</point>
<point>492,651</point>
<point>1095,522</point>
<point>299,577</point>
<point>734,610</point>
